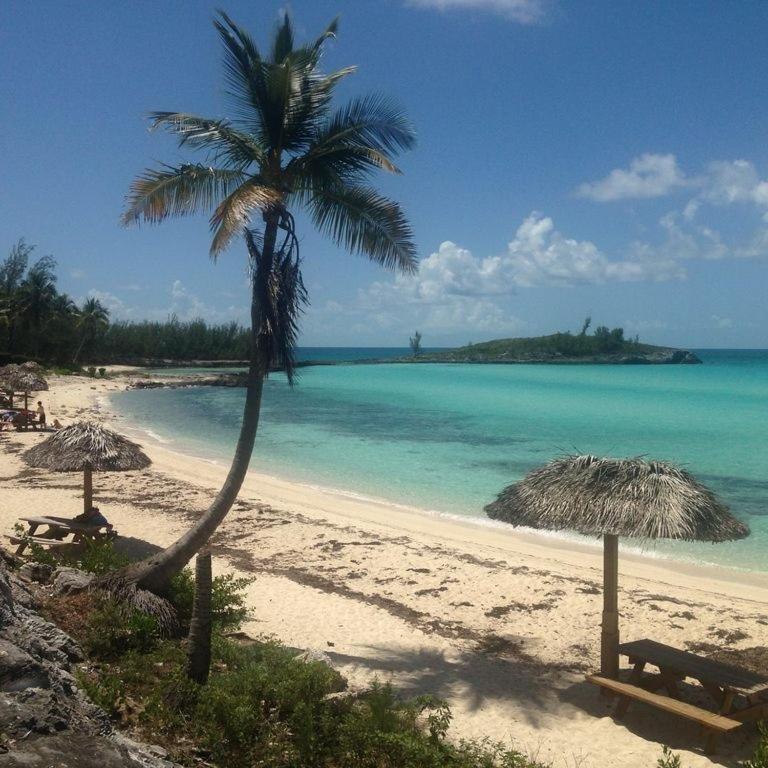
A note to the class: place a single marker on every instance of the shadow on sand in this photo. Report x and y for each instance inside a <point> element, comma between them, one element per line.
<point>538,693</point>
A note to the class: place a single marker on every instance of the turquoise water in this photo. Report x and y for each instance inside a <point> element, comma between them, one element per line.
<point>449,437</point>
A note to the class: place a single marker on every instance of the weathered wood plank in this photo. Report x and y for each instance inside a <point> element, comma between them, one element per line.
<point>704,717</point>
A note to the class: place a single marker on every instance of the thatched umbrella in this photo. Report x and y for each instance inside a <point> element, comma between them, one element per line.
<point>85,447</point>
<point>611,498</point>
<point>24,378</point>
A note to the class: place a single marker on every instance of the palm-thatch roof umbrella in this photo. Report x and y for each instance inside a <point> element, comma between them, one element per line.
<point>85,447</point>
<point>24,378</point>
<point>611,498</point>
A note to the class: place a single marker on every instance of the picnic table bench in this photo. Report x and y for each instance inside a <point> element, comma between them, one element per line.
<point>739,695</point>
<point>62,526</point>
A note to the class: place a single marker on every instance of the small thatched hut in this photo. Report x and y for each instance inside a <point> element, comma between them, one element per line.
<point>87,447</point>
<point>24,378</point>
<point>611,498</point>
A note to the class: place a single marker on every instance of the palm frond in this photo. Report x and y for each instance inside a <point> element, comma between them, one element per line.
<point>328,34</point>
<point>245,74</point>
<point>280,298</point>
<point>177,191</point>
<point>362,221</point>
<point>282,45</point>
<point>234,212</point>
<point>371,121</point>
<point>218,137</point>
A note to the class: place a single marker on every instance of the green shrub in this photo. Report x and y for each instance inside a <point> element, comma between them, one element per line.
<point>760,758</point>
<point>102,372</point>
<point>114,629</point>
<point>264,707</point>
<point>92,556</point>
<point>669,759</point>
<point>228,609</point>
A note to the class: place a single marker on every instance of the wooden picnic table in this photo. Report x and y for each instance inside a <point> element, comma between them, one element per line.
<point>739,695</point>
<point>64,526</point>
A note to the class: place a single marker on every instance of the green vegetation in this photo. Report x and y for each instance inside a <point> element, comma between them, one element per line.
<point>415,344</point>
<point>262,705</point>
<point>605,344</point>
<point>37,322</point>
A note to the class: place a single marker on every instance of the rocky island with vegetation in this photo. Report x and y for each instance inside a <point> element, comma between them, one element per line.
<point>605,345</point>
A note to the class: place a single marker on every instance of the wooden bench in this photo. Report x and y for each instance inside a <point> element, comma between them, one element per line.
<point>41,540</point>
<point>710,721</point>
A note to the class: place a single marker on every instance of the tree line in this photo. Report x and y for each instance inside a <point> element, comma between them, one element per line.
<point>39,322</point>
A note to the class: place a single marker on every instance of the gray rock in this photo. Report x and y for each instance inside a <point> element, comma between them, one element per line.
<point>75,750</point>
<point>45,719</point>
<point>38,572</point>
<point>18,670</point>
<point>67,580</point>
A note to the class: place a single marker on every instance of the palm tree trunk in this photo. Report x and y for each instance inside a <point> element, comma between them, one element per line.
<point>79,350</point>
<point>155,572</point>
<point>199,648</point>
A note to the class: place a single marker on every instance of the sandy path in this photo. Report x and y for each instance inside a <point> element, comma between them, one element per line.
<point>502,625</point>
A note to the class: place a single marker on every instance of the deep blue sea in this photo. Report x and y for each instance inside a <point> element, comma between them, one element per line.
<point>449,437</point>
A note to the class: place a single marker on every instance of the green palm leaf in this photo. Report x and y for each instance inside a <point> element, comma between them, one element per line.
<point>362,221</point>
<point>218,137</point>
<point>178,191</point>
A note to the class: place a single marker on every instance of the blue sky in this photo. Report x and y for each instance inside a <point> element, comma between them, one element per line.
<point>603,158</point>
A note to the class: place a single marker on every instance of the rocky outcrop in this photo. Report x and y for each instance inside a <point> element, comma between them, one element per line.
<point>45,718</point>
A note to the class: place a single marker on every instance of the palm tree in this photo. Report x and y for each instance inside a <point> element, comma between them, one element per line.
<point>92,318</point>
<point>37,299</point>
<point>283,148</point>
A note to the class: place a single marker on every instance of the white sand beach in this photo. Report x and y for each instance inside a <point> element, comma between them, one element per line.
<point>503,625</point>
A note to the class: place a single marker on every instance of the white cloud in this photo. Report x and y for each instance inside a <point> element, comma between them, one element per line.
<point>118,309</point>
<point>77,274</point>
<point>734,181</point>
<point>520,11</point>
<point>540,255</point>
<point>722,322</point>
<point>454,290</point>
<point>649,175</point>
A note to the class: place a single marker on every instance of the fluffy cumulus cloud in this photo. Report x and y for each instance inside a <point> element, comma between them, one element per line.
<point>720,186</point>
<point>736,181</point>
<point>520,11</point>
<point>648,176</point>
<point>540,255</point>
<point>454,290</point>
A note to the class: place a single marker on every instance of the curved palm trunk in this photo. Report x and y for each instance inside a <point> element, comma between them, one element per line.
<point>155,572</point>
<point>199,649</point>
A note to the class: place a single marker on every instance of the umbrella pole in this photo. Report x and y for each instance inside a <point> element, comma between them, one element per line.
<point>609,639</point>
<point>87,488</point>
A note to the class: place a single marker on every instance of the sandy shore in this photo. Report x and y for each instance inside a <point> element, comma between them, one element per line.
<point>503,625</point>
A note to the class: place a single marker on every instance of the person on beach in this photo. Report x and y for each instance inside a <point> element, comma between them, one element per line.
<point>40,413</point>
<point>92,517</point>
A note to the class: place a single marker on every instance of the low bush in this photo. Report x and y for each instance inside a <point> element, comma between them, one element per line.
<point>228,610</point>
<point>264,707</point>
<point>95,557</point>
<point>113,629</point>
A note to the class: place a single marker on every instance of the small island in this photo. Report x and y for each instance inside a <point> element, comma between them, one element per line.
<point>604,346</point>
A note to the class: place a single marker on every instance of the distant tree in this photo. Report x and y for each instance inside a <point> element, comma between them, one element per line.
<point>585,325</point>
<point>415,342</point>
<point>92,319</point>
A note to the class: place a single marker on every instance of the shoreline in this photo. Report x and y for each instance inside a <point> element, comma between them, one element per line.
<point>501,624</point>
<point>417,517</point>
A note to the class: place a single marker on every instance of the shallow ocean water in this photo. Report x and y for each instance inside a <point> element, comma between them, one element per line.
<point>449,437</point>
